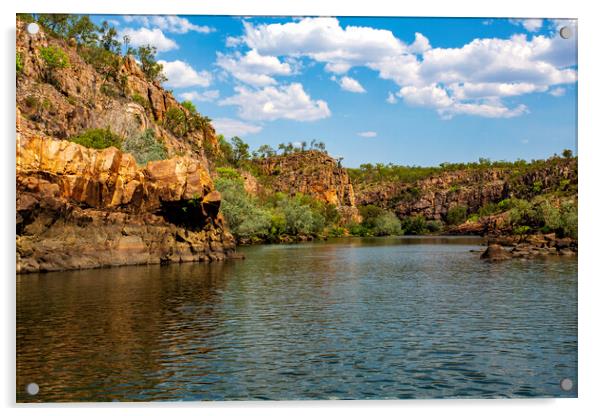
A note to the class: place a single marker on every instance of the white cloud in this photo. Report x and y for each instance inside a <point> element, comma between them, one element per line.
<point>230,127</point>
<point>532,25</point>
<point>367,134</point>
<point>173,24</point>
<point>391,98</point>
<point>421,44</point>
<point>281,102</point>
<point>558,92</point>
<point>253,68</point>
<point>180,74</point>
<point>209,95</point>
<point>323,40</point>
<point>144,36</point>
<point>471,79</point>
<point>435,97</point>
<point>351,85</point>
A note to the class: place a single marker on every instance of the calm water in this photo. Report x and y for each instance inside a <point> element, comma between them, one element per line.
<point>356,318</point>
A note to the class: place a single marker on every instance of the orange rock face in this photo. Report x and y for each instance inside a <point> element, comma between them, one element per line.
<point>80,208</point>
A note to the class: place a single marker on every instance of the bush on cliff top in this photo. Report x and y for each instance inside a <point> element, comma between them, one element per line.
<point>98,139</point>
<point>54,57</point>
<point>145,147</point>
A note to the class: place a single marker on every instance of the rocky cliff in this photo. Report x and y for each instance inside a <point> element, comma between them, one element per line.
<point>312,173</point>
<point>97,92</point>
<point>472,188</point>
<point>79,207</point>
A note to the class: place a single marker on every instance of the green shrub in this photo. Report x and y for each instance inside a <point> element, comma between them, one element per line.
<point>138,99</point>
<point>434,226</point>
<point>387,224</point>
<point>549,215</point>
<point>335,231</point>
<point>19,60</point>
<point>54,57</point>
<point>109,90</point>
<point>537,187</point>
<point>414,225</point>
<point>488,209</point>
<point>456,215</point>
<point>299,217</point>
<point>98,139</point>
<point>473,218</point>
<point>145,147</point>
<point>359,230</point>
<point>244,217</point>
<point>105,62</point>
<point>569,219</point>
<point>175,121</point>
<point>522,212</point>
<point>228,173</point>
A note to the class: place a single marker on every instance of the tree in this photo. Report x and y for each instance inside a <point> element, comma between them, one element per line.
<point>151,68</point>
<point>108,39</point>
<point>56,23</point>
<point>303,146</point>
<point>83,30</point>
<point>567,153</point>
<point>265,150</point>
<point>240,150</point>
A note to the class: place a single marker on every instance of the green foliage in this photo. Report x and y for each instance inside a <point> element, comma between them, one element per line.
<point>228,173</point>
<point>569,219</point>
<point>54,57</point>
<point>188,105</point>
<point>26,17</point>
<point>57,23</point>
<point>414,225</point>
<point>105,62</point>
<point>488,209</point>
<point>299,217</point>
<point>567,153</point>
<point>456,215</point>
<point>264,151</point>
<point>377,221</point>
<point>537,186</point>
<point>145,147</point>
<point>387,224</point>
<point>138,99</point>
<point>175,121</point>
<point>151,68</point>
<point>240,150</point>
<point>434,226</point>
<point>98,139</point>
<point>109,90</point>
<point>243,215</point>
<point>108,39</point>
<point>19,60</point>
<point>82,29</point>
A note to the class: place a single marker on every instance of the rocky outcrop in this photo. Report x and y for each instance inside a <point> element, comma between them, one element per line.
<point>528,246</point>
<point>472,188</point>
<point>312,173</point>
<point>81,208</point>
<point>67,101</point>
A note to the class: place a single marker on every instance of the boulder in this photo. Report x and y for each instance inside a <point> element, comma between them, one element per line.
<point>496,252</point>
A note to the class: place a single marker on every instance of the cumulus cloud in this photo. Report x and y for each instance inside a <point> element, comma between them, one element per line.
<point>230,127</point>
<point>532,25</point>
<point>280,102</point>
<point>471,79</point>
<point>153,37</point>
<point>173,24</point>
<point>209,95</point>
<point>323,40</point>
<point>180,75</point>
<point>253,68</point>
<point>367,134</point>
<point>391,98</point>
<point>351,85</point>
<point>558,92</point>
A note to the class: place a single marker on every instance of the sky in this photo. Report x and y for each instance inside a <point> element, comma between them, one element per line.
<point>411,91</point>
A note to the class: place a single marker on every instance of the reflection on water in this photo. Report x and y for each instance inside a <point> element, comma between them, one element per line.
<point>355,318</point>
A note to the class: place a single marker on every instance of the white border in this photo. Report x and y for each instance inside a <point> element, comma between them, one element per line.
<point>590,168</point>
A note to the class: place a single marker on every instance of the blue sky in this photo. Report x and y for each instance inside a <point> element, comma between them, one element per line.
<point>415,91</point>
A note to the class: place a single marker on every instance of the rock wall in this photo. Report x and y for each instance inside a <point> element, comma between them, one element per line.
<point>312,173</point>
<point>79,97</point>
<point>81,208</point>
<point>434,196</point>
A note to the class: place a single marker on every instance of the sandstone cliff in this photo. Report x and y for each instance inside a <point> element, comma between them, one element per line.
<point>313,173</point>
<point>434,196</point>
<point>80,208</point>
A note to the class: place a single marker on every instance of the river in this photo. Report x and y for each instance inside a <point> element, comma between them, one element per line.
<point>380,318</point>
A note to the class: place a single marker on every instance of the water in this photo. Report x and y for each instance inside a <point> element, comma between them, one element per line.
<point>350,319</point>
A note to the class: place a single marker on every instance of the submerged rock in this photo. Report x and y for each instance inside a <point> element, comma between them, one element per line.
<point>495,252</point>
